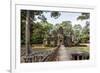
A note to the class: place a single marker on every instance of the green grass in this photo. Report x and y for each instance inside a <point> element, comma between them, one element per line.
<point>81,49</point>
<point>74,48</point>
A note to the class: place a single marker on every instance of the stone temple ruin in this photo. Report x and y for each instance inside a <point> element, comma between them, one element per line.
<point>58,39</point>
<point>53,41</point>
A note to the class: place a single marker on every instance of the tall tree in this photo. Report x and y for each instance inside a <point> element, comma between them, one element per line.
<point>67,26</point>
<point>85,30</point>
<point>28,17</point>
<point>77,29</point>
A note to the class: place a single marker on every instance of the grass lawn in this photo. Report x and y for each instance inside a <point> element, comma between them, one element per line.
<point>81,49</point>
<point>41,47</point>
<point>74,48</point>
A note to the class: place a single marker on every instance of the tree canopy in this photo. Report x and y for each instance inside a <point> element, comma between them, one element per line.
<point>40,30</point>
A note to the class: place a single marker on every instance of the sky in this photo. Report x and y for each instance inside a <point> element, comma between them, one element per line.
<point>65,16</point>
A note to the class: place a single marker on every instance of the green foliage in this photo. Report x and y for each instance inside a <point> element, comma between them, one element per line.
<point>40,30</point>
<point>55,14</point>
<point>67,27</point>
<point>84,37</point>
<point>36,39</point>
<point>84,16</point>
<point>23,22</point>
<point>77,29</point>
<point>85,34</point>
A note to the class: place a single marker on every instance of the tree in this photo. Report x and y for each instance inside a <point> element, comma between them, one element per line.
<point>55,14</point>
<point>77,29</point>
<point>85,34</point>
<point>29,17</point>
<point>23,22</point>
<point>67,27</point>
<point>84,16</point>
<point>41,32</point>
<point>85,30</point>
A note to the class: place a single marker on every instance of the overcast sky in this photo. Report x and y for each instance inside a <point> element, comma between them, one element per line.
<point>65,16</point>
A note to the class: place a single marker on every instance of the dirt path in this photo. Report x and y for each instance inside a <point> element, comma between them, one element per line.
<point>63,54</point>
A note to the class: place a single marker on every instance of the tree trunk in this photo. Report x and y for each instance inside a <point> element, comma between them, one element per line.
<point>27,33</point>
